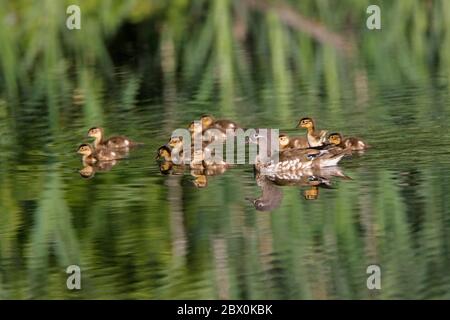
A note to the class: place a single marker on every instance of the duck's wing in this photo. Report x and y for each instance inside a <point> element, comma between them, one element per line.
<point>298,153</point>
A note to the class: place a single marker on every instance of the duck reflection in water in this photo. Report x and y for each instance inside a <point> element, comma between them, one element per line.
<point>89,170</point>
<point>271,194</point>
<point>100,159</point>
<point>271,191</point>
<point>200,166</point>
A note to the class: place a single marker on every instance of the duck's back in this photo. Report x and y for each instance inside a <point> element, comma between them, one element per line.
<point>118,142</point>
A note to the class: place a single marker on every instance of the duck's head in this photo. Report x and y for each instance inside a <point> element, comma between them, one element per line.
<point>85,149</point>
<point>305,123</point>
<point>283,139</point>
<point>175,142</point>
<point>207,121</point>
<point>164,152</point>
<point>95,132</point>
<point>335,138</point>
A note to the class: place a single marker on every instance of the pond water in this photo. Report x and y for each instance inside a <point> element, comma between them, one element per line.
<point>137,233</point>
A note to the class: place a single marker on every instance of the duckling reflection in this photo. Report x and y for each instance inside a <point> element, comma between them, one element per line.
<point>201,173</point>
<point>200,181</point>
<point>89,170</point>
<point>312,193</point>
<point>168,167</point>
<point>202,168</point>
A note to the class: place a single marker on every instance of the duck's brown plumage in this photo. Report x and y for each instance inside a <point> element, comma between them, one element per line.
<point>287,142</point>
<point>91,155</point>
<point>208,122</point>
<point>116,142</point>
<point>355,144</point>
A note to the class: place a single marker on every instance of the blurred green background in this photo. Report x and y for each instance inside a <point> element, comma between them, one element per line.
<point>145,68</point>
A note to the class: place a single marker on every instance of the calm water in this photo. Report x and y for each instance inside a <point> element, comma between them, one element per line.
<point>137,233</point>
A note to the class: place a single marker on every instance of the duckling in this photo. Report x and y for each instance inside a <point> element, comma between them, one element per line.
<point>354,143</point>
<point>196,131</point>
<point>176,145</point>
<point>315,138</point>
<point>177,153</point>
<point>208,121</point>
<point>287,142</point>
<point>117,142</point>
<point>197,160</point>
<point>91,156</point>
<point>164,152</point>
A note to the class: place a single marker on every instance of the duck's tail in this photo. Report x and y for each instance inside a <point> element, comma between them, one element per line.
<point>333,160</point>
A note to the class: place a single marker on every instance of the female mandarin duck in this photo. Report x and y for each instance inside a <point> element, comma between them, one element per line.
<point>287,142</point>
<point>91,155</point>
<point>315,138</point>
<point>117,142</point>
<point>355,144</point>
<point>299,159</point>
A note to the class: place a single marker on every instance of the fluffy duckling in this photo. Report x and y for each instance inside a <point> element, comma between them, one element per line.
<point>195,128</point>
<point>208,121</point>
<point>177,153</point>
<point>287,142</point>
<point>206,135</point>
<point>91,156</point>
<point>315,138</point>
<point>355,144</point>
<point>198,157</point>
<point>117,142</point>
<point>164,153</point>
<point>176,145</point>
